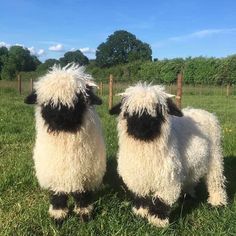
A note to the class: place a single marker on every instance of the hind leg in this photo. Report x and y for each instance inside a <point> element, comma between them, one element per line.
<point>215,180</point>
<point>83,204</point>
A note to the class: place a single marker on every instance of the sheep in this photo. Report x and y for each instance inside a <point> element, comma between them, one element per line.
<point>69,152</point>
<point>164,151</point>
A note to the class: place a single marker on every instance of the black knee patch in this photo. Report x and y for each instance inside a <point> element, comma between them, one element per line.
<point>154,205</point>
<point>82,199</point>
<point>140,201</point>
<point>159,208</point>
<point>59,200</point>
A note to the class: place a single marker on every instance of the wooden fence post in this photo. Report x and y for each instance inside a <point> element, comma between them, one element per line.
<point>19,83</point>
<point>101,88</point>
<point>227,90</point>
<point>179,90</point>
<point>31,85</point>
<point>110,102</point>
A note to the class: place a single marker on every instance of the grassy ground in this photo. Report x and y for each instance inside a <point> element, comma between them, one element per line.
<point>24,206</point>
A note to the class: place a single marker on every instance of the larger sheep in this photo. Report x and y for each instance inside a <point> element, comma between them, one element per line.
<point>163,151</point>
<point>69,152</point>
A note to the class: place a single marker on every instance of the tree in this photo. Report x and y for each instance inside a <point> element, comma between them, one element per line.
<point>74,56</point>
<point>43,68</point>
<point>122,47</point>
<point>3,57</point>
<point>18,59</point>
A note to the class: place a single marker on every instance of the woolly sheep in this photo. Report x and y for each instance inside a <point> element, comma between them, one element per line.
<point>69,152</point>
<point>163,151</point>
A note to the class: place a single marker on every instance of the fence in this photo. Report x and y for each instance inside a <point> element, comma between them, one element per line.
<point>113,86</point>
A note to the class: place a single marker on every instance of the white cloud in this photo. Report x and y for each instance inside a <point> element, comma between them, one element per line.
<point>35,52</point>
<point>41,52</point>
<point>32,50</point>
<point>195,35</point>
<point>57,48</point>
<point>87,50</point>
<point>3,44</point>
<point>203,34</point>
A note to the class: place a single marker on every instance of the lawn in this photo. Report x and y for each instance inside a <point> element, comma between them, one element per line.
<point>24,206</point>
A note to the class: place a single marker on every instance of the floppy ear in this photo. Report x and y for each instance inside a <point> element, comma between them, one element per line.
<point>116,109</point>
<point>173,109</point>
<point>31,99</point>
<point>93,99</point>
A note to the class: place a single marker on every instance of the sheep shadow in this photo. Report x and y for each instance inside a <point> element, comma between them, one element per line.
<point>185,206</point>
<point>114,181</point>
<point>188,205</point>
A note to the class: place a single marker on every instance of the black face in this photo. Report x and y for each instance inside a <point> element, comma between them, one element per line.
<point>144,127</point>
<point>63,118</point>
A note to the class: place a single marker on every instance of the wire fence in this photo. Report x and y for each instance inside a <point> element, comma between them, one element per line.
<point>113,86</point>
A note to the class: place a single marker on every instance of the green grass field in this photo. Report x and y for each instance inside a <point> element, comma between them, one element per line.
<point>24,206</point>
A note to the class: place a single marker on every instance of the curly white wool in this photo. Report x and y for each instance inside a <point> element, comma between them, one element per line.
<point>143,96</point>
<point>65,161</point>
<point>188,149</point>
<point>61,84</point>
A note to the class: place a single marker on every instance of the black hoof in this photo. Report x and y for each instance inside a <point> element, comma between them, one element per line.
<point>59,222</point>
<point>85,218</point>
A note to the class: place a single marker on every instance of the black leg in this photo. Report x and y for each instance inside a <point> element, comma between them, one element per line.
<point>58,208</point>
<point>83,204</point>
<point>158,208</point>
<point>140,202</point>
<point>59,200</point>
<point>154,209</point>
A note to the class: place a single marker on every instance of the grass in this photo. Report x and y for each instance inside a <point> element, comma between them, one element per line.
<point>24,206</point>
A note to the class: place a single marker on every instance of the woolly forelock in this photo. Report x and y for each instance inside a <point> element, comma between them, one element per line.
<point>144,97</point>
<point>62,84</point>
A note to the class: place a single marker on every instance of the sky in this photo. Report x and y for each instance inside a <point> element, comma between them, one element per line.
<point>173,28</point>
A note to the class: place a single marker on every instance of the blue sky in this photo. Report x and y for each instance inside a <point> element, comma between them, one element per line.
<point>173,28</point>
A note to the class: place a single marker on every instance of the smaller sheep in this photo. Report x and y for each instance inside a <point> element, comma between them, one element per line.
<point>69,153</point>
<point>164,151</point>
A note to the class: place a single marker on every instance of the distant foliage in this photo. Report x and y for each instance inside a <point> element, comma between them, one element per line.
<point>122,47</point>
<point>74,56</point>
<point>199,70</point>
<point>43,68</point>
<point>15,60</point>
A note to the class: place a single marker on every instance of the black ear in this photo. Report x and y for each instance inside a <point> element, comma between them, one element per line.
<point>31,99</point>
<point>116,109</point>
<point>173,109</point>
<point>93,99</point>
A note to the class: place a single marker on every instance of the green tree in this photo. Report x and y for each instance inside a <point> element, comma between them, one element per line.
<point>3,57</point>
<point>43,68</point>
<point>74,56</point>
<point>18,59</point>
<point>122,47</point>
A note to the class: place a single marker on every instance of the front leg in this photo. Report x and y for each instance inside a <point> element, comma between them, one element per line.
<point>153,209</point>
<point>158,212</point>
<point>83,204</point>
<point>58,209</point>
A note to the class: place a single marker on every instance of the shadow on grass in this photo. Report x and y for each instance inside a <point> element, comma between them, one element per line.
<point>113,180</point>
<point>230,174</point>
<point>185,206</point>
